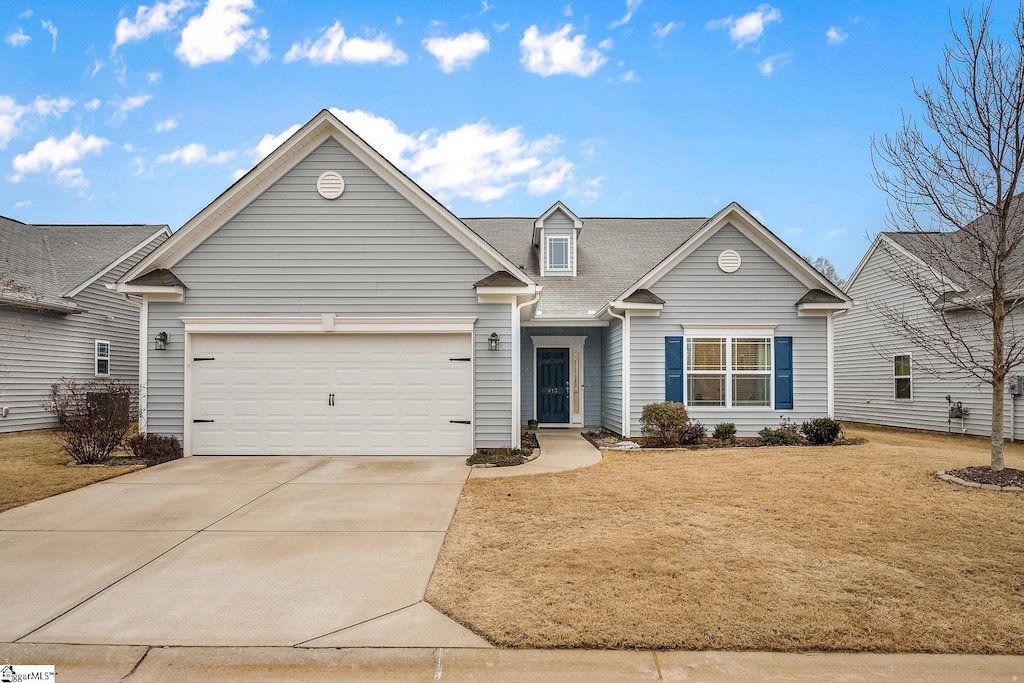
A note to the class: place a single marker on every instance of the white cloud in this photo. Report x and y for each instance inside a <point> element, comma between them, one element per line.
<point>48,25</point>
<point>18,39</point>
<point>662,30</point>
<point>567,10</point>
<point>221,31</point>
<point>792,232</point>
<point>631,7</point>
<point>195,153</point>
<point>588,190</point>
<point>154,76</point>
<point>834,233</point>
<point>769,66</point>
<point>133,102</point>
<point>148,20</point>
<point>477,161</point>
<point>27,14</point>
<point>606,44</point>
<point>458,52</point>
<point>556,53</point>
<point>166,125</point>
<point>334,47</point>
<point>22,204</point>
<point>749,27</point>
<point>835,35</point>
<point>629,77</point>
<point>59,157</point>
<point>93,104</point>
<point>12,113</point>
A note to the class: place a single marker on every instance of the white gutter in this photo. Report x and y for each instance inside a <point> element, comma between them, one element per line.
<point>625,368</point>
<point>143,365</point>
<point>517,370</point>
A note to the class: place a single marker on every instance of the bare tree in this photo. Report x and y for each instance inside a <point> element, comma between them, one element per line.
<point>953,183</point>
<point>826,268</point>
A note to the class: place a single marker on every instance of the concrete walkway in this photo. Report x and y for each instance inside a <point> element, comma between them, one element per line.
<point>88,664</point>
<point>560,450</point>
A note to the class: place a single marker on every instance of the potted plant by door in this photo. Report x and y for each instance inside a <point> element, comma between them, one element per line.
<point>532,425</point>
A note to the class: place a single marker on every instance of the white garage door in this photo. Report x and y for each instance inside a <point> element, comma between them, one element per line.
<point>331,394</point>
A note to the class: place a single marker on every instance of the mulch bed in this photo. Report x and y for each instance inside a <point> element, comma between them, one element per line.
<point>986,475</point>
<point>506,457</point>
<point>606,439</point>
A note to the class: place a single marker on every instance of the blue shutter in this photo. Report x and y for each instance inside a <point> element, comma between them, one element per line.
<point>784,373</point>
<point>674,369</point>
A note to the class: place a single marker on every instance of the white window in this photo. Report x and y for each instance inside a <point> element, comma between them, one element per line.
<point>102,357</point>
<point>558,253</point>
<point>728,371</point>
<point>902,378</point>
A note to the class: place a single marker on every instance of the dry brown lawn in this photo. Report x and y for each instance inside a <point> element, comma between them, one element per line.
<point>855,548</point>
<point>32,466</point>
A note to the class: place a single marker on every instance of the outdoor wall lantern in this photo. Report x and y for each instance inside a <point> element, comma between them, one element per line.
<point>161,341</point>
<point>493,340</point>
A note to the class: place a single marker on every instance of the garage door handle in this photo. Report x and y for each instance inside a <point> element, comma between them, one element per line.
<point>202,420</point>
<point>459,422</point>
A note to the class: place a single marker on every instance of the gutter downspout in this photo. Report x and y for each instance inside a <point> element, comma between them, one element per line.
<point>625,368</point>
<point>517,370</point>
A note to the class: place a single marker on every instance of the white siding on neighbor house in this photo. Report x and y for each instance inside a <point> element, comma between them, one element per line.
<point>761,292</point>
<point>369,253</point>
<point>37,349</point>
<point>592,384</point>
<point>865,344</point>
<point>611,377</point>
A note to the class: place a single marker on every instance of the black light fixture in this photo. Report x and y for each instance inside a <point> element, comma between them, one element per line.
<point>161,341</point>
<point>493,340</point>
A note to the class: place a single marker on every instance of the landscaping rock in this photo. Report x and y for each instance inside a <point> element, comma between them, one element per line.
<point>626,446</point>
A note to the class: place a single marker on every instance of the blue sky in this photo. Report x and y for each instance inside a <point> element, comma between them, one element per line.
<point>126,113</point>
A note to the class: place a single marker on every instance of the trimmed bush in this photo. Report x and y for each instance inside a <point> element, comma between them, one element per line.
<point>725,431</point>
<point>95,418</point>
<point>786,434</point>
<point>822,431</point>
<point>158,447</point>
<point>664,424</point>
<point>693,433</point>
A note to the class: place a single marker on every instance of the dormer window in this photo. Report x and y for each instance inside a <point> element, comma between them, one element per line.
<point>558,252</point>
<point>556,232</point>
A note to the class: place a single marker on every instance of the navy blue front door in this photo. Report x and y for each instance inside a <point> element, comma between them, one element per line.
<point>553,385</point>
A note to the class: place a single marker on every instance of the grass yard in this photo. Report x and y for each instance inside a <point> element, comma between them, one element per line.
<point>855,548</point>
<point>32,466</point>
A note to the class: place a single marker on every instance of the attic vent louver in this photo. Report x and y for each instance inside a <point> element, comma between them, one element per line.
<point>729,261</point>
<point>330,185</point>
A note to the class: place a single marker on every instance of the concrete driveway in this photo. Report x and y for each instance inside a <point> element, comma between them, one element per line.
<point>311,552</point>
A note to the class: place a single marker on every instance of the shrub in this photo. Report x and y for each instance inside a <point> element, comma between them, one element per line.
<point>95,418</point>
<point>159,447</point>
<point>664,424</point>
<point>692,434</point>
<point>725,431</point>
<point>786,434</point>
<point>822,431</point>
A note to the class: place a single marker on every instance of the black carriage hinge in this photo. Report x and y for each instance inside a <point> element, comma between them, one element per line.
<point>462,360</point>
<point>460,422</point>
<point>202,420</point>
<point>210,358</point>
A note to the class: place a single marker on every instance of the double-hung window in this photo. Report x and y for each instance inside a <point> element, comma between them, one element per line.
<point>102,358</point>
<point>902,377</point>
<point>728,371</point>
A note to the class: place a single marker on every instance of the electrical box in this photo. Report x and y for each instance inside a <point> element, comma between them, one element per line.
<point>1017,385</point>
<point>958,411</point>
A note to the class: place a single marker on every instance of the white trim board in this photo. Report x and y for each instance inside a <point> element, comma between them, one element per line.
<point>326,323</point>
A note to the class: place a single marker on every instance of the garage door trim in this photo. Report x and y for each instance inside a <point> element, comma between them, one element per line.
<point>327,323</point>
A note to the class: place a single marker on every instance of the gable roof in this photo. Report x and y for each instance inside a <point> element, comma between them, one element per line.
<point>315,132</point>
<point>611,252</point>
<point>752,229</point>
<point>44,266</point>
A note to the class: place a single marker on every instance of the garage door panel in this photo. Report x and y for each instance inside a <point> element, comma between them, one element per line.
<point>393,394</point>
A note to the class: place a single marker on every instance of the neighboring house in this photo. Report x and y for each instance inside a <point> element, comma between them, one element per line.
<point>882,376</point>
<point>326,304</point>
<point>58,318</point>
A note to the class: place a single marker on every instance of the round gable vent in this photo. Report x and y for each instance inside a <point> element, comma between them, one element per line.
<point>330,184</point>
<point>729,261</point>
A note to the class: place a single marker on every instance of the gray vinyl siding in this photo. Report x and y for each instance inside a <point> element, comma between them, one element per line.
<point>761,292</point>
<point>369,253</point>
<point>558,225</point>
<point>592,382</point>
<point>865,344</point>
<point>611,380</point>
<point>37,349</point>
